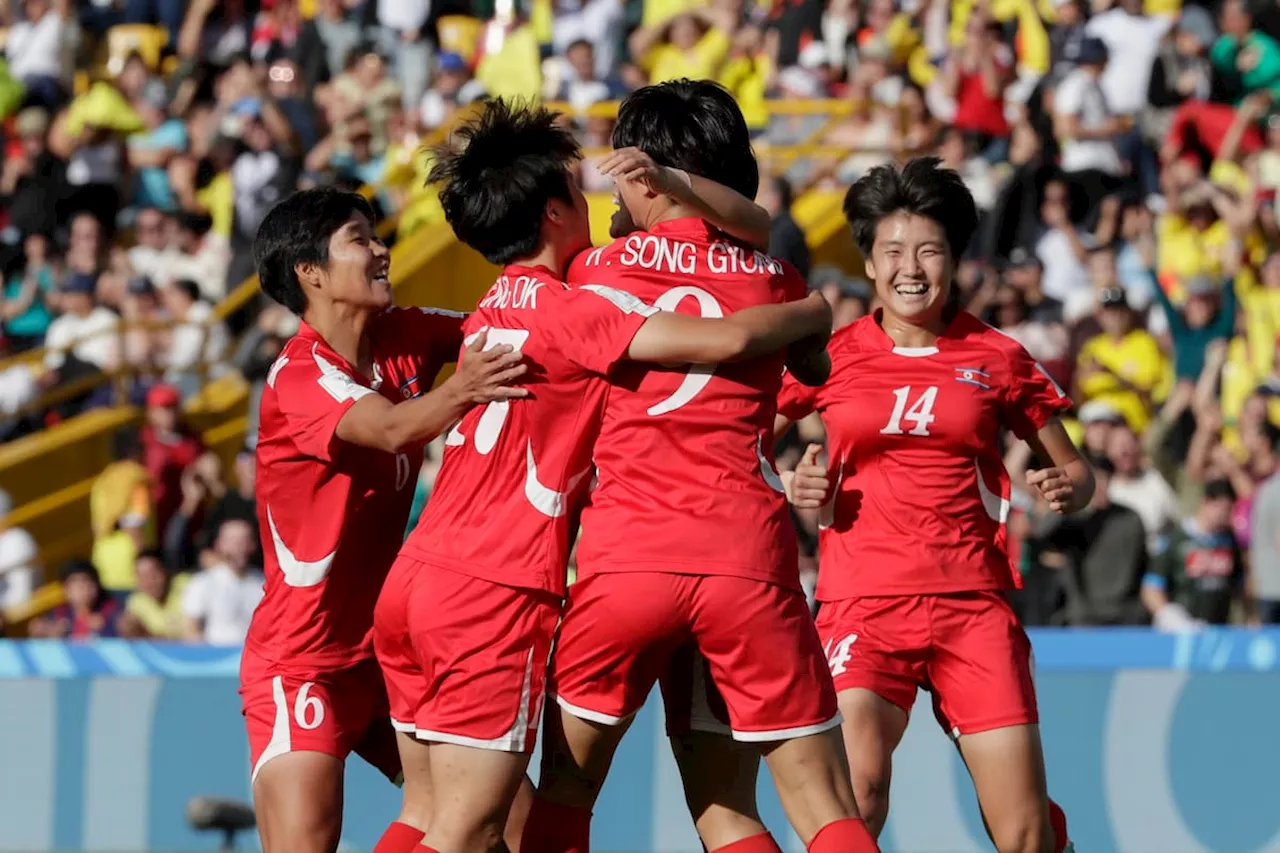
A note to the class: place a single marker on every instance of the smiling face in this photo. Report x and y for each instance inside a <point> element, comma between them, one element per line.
<point>912,267</point>
<point>357,272</point>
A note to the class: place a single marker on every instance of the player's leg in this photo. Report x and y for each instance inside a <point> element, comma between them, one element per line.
<point>984,696</point>
<point>766,660</point>
<point>616,636</point>
<point>873,726</point>
<point>484,648</point>
<point>297,799</point>
<point>298,746</point>
<point>719,774</point>
<point>404,687</point>
<point>875,649</point>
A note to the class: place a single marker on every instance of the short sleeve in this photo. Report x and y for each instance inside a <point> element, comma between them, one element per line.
<point>195,598</point>
<point>1069,97</point>
<point>312,394</point>
<point>595,325</point>
<point>795,399</point>
<point>1032,398</point>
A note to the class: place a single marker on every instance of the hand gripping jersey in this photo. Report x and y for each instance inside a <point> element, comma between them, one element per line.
<point>514,472</point>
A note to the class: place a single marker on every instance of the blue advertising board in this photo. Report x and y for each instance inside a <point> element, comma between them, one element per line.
<point>1154,743</point>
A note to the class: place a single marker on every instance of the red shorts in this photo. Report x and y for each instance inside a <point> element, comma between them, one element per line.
<point>968,650</point>
<point>465,659</point>
<point>622,632</point>
<point>335,713</point>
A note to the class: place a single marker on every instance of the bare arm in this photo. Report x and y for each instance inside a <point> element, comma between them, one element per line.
<point>482,377</point>
<point>1068,485</point>
<point>645,39</point>
<point>809,362</point>
<point>725,208</point>
<point>671,338</point>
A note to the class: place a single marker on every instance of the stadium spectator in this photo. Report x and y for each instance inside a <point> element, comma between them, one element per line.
<point>168,447</point>
<point>1264,552</point>
<point>1197,574</point>
<point>154,609</point>
<point>219,600</point>
<point>197,342</point>
<point>786,239</point>
<point>122,513</point>
<point>90,611</point>
<point>24,311</point>
<point>1087,569</point>
<point>19,561</point>
<point>1122,365</point>
<point>1139,487</point>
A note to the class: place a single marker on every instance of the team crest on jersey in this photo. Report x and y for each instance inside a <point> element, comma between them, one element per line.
<point>974,376</point>
<point>409,388</point>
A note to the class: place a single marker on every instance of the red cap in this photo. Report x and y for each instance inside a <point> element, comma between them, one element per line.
<point>163,396</point>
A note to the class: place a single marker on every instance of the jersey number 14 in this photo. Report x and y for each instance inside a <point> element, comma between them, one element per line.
<point>918,413</point>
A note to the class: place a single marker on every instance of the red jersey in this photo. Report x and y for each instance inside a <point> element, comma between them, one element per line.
<point>922,494</point>
<point>515,473</point>
<point>686,478</point>
<point>333,514</point>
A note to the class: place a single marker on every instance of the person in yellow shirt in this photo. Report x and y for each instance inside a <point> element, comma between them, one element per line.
<point>1123,366</point>
<point>155,608</point>
<point>121,513</point>
<point>691,45</point>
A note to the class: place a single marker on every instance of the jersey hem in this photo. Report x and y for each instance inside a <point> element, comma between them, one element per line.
<point>487,574</point>
<point>309,662</point>
<point>903,591</point>
<point>680,567</point>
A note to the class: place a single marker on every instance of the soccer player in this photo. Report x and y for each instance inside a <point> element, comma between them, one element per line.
<point>913,560</point>
<point>344,419</point>
<point>464,625</point>
<point>687,536</point>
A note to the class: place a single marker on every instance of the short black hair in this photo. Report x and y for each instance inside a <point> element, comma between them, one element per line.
<point>126,443</point>
<point>694,125</point>
<point>297,231</point>
<point>78,566</point>
<point>499,171</point>
<point>922,188</point>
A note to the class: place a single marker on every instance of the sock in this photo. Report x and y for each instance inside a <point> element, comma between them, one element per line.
<point>762,843</point>
<point>849,835</point>
<point>399,838</point>
<point>555,828</point>
<point>1058,822</point>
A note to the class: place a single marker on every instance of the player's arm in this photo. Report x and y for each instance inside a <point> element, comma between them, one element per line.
<point>671,338</point>
<point>809,362</point>
<point>727,209</point>
<point>1067,483</point>
<point>483,376</point>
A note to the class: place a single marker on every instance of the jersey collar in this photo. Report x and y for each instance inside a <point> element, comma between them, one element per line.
<point>540,272</point>
<point>876,336</point>
<point>686,226</point>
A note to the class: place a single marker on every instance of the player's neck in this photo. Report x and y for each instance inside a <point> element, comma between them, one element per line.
<point>669,213</point>
<point>342,328</point>
<point>910,335</point>
<point>547,256</point>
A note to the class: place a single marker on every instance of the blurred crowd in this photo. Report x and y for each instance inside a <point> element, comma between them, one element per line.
<point>1125,157</point>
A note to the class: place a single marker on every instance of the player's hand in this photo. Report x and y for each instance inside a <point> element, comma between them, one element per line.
<point>485,375</point>
<point>809,486</point>
<point>1055,486</point>
<point>632,164</point>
